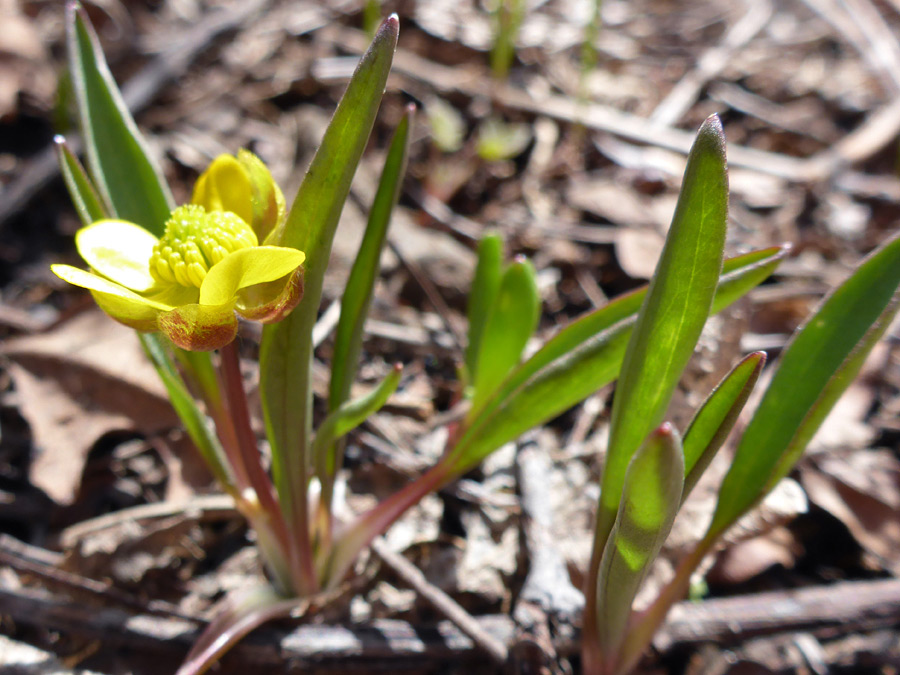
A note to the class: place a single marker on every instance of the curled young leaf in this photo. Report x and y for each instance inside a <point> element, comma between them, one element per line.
<point>651,496</point>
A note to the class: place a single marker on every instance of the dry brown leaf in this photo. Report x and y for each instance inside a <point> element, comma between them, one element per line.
<point>862,490</point>
<point>25,65</point>
<point>638,250</point>
<point>616,202</point>
<point>129,550</point>
<point>76,383</point>
<point>743,561</point>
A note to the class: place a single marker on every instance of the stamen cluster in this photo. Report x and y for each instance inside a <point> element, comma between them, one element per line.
<point>194,241</point>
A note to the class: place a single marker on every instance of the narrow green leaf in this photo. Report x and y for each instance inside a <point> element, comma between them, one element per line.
<point>651,497</point>
<point>820,362</point>
<point>677,305</point>
<point>743,273</point>
<point>286,350</point>
<point>557,387</point>
<point>195,422</point>
<point>510,323</point>
<point>581,358</point>
<point>717,416</point>
<point>740,275</point>
<point>117,156</point>
<point>482,295</point>
<point>358,291</point>
<point>346,418</point>
<point>84,196</point>
<point>130,187</point>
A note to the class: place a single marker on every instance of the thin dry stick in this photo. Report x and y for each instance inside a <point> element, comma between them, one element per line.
<point>818,167</point>
<point>850,30</point>
<point>835,610</point>
<point>413,577</point>
<point>35,561</point>
<point>883,48</point>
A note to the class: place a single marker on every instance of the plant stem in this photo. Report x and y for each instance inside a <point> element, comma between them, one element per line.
<point>591,656</point>
<point>241,446</point>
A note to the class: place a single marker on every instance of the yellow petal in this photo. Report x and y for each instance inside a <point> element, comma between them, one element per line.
<point>272,301</point>
<point>120,303</point>
<point>268,201</point>
<point>225,186</point>
<point>247,267</point>
<point>133,315</point>
<point>118,250</point>
<point>94,282</point>
<point>200,327</point>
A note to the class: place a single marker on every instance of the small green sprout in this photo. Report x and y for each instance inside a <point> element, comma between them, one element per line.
<point>499,140</point>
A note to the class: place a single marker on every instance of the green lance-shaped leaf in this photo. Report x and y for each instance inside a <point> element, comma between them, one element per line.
<point>346,418</point>
<point>509,325</point>
<point>677,305</point>
<point>358,291</point>
<point>820,362</point>
<point>581,358</point>
<point>739,275</point>
<point>82,191</point>
<point>485,285</point>
<point>117,155</point>
<point>651,496</point>
<point>717,416</point>
<point>286,350</point>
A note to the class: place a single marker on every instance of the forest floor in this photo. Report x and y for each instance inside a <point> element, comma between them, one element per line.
<point>113,540</point>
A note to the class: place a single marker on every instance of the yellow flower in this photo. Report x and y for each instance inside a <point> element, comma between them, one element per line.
<point>207,266</point>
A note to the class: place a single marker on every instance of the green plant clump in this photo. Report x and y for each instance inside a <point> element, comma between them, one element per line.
<point>181,275</point>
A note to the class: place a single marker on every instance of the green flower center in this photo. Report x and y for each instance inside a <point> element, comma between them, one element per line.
<point>194,241</point>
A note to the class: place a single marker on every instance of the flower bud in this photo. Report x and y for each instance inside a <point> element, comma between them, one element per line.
<point>244,186</point>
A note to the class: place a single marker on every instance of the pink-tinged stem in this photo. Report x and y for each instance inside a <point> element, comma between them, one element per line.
<point>301,542</point>
<point>236,616</point>
<point>246,459</point>
<point>351,541</point>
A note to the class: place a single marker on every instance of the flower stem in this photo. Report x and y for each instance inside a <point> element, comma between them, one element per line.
<point>243,452</point>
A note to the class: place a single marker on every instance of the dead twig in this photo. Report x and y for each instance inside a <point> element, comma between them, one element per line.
<point>410,575</point>
<point>828,164</point>
<point>832,611</point>
<point>42,564</point>
<point>548,601</point>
